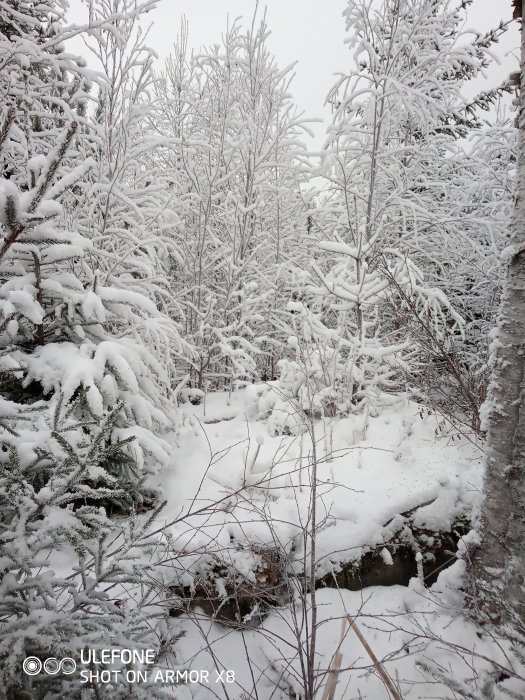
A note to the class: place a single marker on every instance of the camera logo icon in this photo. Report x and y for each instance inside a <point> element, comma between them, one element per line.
<point>68,666</point>
<point>51,666</point>
<point>33,666</point>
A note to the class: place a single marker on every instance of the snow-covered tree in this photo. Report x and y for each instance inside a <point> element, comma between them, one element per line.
<point>500,558</point>
<point>466,262</point>
<point>394,166</point>
<point>72,578</point>
<point>82,290</point>
<point>235,162</point>
<point>38,131</point>
<point>79,404</point>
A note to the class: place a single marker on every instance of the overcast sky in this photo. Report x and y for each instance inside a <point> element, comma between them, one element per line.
<point>309,33</point>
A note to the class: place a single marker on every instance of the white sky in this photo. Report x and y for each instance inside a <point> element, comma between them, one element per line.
<point>309,33</point>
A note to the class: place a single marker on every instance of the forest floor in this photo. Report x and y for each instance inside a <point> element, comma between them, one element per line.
<point>245,490</point>
<point>370,471</point>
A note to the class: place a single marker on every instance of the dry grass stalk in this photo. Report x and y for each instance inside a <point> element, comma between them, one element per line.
<point>379,668</point>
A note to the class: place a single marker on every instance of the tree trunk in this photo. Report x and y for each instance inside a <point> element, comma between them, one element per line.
<point>500,559</point>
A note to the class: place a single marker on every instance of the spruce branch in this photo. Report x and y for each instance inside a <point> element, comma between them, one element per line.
<point>54,162</point>
<point>6,125</point>
<point>17,227</point>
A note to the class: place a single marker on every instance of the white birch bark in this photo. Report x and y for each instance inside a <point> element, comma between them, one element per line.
<point>500,561</point>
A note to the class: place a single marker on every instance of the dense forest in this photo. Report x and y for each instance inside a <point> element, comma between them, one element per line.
<point>262,412</point>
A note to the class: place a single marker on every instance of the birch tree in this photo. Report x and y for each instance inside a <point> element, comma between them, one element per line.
<point>236,163</point>
<point>393,210</point>
<point>500,559</point>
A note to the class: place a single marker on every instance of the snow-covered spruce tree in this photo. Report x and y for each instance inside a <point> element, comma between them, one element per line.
<point>235,162</point>
<point>68,445</point>
<point>38,129</point>
<point>41,84</point>
<point>54,340</point>
<point>388,216</point>
<point>66,324</point>
<point>72,579</point>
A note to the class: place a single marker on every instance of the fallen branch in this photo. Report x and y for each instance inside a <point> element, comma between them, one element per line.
<point>379,668</point>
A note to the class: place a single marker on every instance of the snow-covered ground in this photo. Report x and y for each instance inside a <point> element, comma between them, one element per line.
<point>370,471</point>
<point>237,488</point>
<point>411,630</point>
